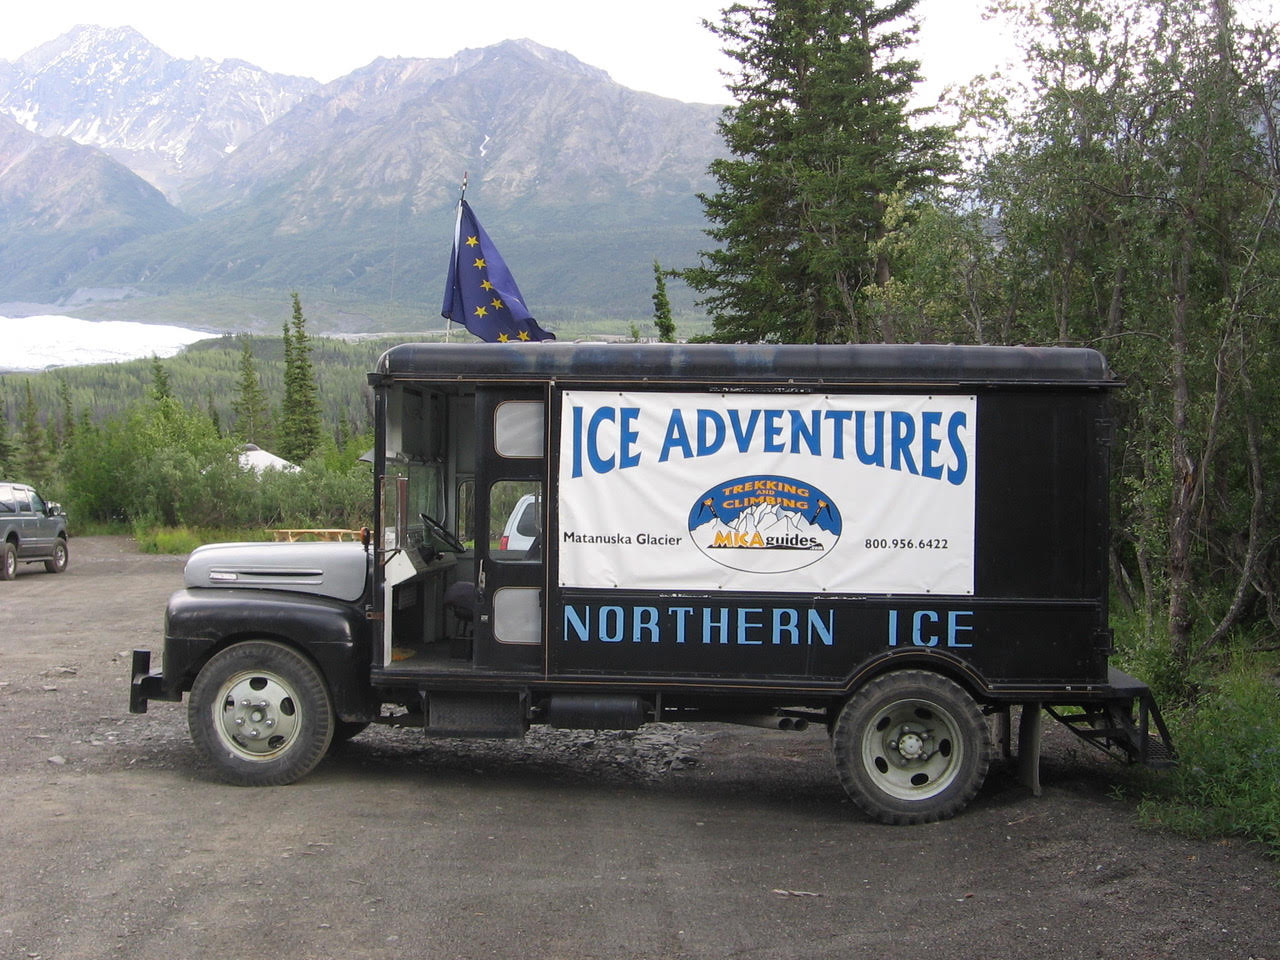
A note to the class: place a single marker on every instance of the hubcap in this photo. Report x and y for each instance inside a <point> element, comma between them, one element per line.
<point>913,750</point>
<point>256,715</point>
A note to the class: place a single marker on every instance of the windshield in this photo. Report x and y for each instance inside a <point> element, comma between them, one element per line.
<point>424,497</point>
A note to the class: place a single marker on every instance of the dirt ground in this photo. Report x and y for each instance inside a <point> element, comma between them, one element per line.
<point>673,842</point>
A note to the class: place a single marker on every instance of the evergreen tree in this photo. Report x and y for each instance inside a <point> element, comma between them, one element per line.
<point>214,417</point>
<point>300,420</point>
<point>67,424</point>
<point>32,462</point>
<point>250,406</point>
<point>662,307</point>
<point>820,135</point>
<point>6,441</point>
<point>161,389</point>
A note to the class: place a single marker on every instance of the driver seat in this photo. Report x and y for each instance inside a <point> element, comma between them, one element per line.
<point>460,600</point>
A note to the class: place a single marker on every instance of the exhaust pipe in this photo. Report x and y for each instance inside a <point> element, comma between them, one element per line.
<point>769,721</point>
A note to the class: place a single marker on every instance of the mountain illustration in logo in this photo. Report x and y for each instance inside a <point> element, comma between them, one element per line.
<point>765,524</point>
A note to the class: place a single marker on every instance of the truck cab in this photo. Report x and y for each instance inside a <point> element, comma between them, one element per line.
<point>899,543</point>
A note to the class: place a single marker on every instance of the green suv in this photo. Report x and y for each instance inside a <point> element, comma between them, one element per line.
<point>32,530</point>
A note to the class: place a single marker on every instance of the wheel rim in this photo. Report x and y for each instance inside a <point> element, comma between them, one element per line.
<point>913,750</point>
<point>60,556</point>
<point>256,715</point>
<point>10,562</point>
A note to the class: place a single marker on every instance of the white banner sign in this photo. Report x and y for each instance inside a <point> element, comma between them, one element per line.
<point>767,492</point>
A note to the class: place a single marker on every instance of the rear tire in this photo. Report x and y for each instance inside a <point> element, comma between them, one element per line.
<point>59,561</point>
<point>261,712</point>
<point>8,561</point>
<point>911,747</point>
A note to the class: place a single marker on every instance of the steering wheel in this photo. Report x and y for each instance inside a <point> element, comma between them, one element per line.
<point>440,533</point>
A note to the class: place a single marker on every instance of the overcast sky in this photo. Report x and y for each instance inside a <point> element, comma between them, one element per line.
<point>658,46</point>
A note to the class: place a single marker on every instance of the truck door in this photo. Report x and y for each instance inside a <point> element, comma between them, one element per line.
<point>33,539</point>
<point>510,522</point>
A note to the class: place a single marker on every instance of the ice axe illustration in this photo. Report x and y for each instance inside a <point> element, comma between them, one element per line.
<point>822,508</point>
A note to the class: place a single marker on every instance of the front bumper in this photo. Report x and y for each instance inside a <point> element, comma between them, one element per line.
<point>147,684</point>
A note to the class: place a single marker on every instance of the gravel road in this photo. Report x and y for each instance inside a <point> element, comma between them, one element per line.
<point>673,842</point>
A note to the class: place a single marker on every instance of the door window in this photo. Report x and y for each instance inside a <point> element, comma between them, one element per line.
<point>515,517</point>
<point>518,428</point>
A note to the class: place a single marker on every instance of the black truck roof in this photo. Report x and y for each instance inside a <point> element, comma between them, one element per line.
<point>835,364</point>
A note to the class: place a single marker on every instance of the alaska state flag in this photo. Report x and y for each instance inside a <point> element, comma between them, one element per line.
<point>480,293</point>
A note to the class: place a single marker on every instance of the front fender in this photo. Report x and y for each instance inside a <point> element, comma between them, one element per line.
<point>335,634</point>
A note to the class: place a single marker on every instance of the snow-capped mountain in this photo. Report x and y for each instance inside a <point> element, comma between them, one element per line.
<point>168,120</point>
<point>346,191</point>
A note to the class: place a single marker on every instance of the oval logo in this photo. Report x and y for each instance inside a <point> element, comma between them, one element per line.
<point>765,524</point>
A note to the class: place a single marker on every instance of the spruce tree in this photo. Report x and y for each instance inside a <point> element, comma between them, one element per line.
<point>300,420</point>
<point>161,389</point>
<point>67,424</point>
<point>6,441</point>
<point>820,134</point>
<point>32,462</point>
<point>662,306</point>
<point>250,405</point>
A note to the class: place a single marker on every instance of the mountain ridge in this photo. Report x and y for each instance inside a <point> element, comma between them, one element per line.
<point>167,119</point>
<point>348,187</point>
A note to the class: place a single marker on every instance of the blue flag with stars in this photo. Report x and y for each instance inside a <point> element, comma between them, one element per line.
<point>480,293</point>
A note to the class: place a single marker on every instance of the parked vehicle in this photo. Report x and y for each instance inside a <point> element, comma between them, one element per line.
<point>900,543</point>
<point>522,530</point>
<point>32,530</point>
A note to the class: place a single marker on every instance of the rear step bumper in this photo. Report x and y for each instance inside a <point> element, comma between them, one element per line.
<point>1125,722</point>
<point>1120,718</point>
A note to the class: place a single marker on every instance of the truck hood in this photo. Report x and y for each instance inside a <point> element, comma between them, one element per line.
<point>337,570</point>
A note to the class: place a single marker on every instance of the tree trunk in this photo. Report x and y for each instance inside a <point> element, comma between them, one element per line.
<point>1183,472</point>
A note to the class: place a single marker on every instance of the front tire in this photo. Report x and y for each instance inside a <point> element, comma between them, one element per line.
<point>911,747</point>
<point>59,561</point>
<point>261,712</point>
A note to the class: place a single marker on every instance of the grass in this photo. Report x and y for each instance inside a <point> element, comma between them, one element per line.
<point>1224,717</point>
<point>1227,782</point>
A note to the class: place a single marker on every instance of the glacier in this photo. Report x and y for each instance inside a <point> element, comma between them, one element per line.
<point>29,344</point>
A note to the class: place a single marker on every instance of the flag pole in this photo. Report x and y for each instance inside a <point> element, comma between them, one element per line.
<point>457,235</point>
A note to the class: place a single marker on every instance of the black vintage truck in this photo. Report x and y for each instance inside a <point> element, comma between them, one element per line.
<point>900,543</point>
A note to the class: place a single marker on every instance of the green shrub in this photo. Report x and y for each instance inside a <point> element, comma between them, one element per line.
<point>1227,782</point>
<point>316,496</point>
<point>1150,659</point>
<point>166,539</point>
